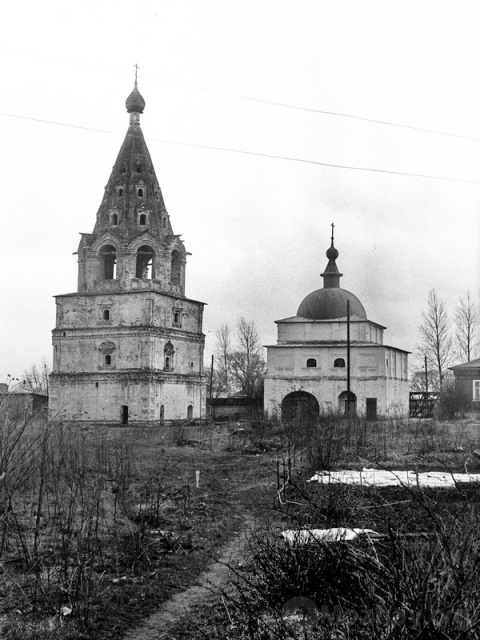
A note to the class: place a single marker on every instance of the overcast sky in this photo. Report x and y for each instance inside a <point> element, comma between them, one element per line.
<point>257,227</point>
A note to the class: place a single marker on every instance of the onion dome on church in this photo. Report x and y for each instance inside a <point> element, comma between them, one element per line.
<point>330,302</point>
<point>135,102</point>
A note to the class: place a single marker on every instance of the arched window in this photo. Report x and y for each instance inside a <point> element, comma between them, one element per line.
<point>106,314</point>
<point>145,263</point>
<point>114,219</point>
<point>169,353</point>
<point>339,362</point>
<point>176,267</point>
<point>120,191</point>
<point>109,259</point>
<point>164,223</point>
<point>162,414</point>
<point>106,350</point>
<point>139,168</point>
<point>143,219</point>
<point>140,193</point>
<point>311,362</point>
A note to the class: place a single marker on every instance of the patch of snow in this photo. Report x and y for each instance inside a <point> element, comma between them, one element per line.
<point>382,478</point>
<point>336,534</point>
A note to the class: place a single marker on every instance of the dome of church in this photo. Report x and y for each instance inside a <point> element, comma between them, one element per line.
<point>135,101</point>
<point>330,303</point>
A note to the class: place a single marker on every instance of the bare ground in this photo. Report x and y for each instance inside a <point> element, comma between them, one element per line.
<point>180,605</point>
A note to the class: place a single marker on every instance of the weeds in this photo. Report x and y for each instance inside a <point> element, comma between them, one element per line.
<point>420,580</point>
<point>71,513</point>
<point>403,586</point>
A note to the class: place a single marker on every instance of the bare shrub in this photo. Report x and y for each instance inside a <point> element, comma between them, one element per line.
<point>178,433</point>
<point>69,516</point>
<point>402,586</point>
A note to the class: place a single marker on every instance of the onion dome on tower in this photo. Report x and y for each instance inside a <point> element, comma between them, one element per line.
<point>330,302</point>
<point>135,101</point>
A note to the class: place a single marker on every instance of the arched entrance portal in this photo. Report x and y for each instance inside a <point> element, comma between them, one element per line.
<point>300,407</point>
<point>344,406</point>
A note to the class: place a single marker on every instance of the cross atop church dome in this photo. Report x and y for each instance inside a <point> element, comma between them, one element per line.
<point>135,103</point>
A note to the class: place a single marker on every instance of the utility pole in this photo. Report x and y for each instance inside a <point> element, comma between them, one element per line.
<point>210,392</point>
<point>348,358</point>
<point>426,389</point>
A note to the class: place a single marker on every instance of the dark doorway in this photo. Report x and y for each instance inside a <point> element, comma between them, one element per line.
<point>124,414</point>
<point>371,408</point>
<point>162,414</point>
<point>347,405</point>
<point>189,412</point>
<point>300,407</point>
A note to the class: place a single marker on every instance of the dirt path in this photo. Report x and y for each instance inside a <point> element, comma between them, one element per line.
<point>157,626</point>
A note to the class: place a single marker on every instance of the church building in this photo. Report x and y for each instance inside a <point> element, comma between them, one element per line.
<point>330,358</point>
<point>128,345</point>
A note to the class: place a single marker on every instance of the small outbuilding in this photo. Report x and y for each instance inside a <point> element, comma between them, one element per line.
<point>467,382</point>
<point>21,404</point>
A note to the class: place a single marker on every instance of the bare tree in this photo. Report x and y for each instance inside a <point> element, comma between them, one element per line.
<point>35,378</point>
<point>467,322</point>
<point>420,382</point>
<point>223,352</point>
<point>435,340</point>
<point>247,366</point>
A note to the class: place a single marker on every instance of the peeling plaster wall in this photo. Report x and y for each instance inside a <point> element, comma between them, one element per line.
<point>101,399</point>
<point>135,333</point>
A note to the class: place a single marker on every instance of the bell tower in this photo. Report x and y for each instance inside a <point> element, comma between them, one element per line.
<point>128,345</point>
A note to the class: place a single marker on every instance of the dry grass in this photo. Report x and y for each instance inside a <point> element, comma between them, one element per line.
<point>98,524</point>
<point>422,580</point>
<point>104,524</point>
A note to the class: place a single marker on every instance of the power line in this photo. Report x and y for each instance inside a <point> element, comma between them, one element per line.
<point>252,153</point>
<point>317,162</point>
<point>322,111</point>
<point>283,105</point>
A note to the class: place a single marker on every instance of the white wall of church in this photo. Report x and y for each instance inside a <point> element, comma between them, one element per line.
<point>376,371</point>
<point>128,309</point>
<point>99,339</point>
<point>85,353</point>
<point>391,395</point>
<point>328,331</point>
<point>103,400</point>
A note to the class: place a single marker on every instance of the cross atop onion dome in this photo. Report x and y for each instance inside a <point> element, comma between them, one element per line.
<point>331,276</point>
<point>135,102</point>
